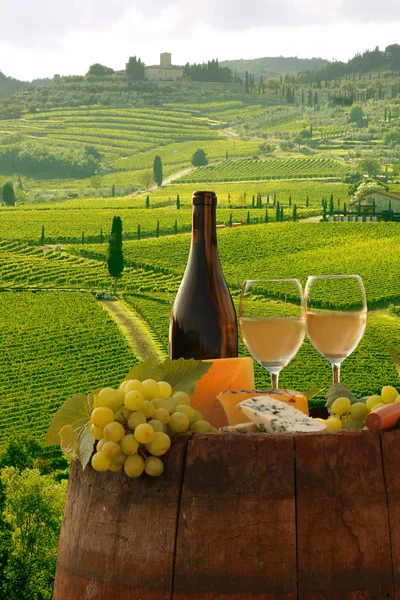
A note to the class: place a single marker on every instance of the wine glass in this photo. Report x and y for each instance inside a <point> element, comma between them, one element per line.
<point>336,315</point>
<point>272,322</point>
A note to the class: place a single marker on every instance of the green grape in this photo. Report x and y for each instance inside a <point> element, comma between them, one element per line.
<point>199,415</point>
<point>341,406</point>
<point>150,389</point>
<point>179,422</point>
<point>148,409</point>
<point>165,389</point>
<point>114,467</point>
<point>183,397</point>
<point>200,426</point>
<point>111,450</point>
<point>110,398</point>
<point>133,400</point>
<point>100,462</point>
<point>100,444</point>
<point>153,466</point>
<point>120,459</point>
<point>214,430</point>
<point>156,425</point>
<point>169,431</point>
<point>389,394</point>
<point>350,424</point>
<point>358,411</point>
<point>160,444</point>
<point>122,386</point>
<point>119,416</point>
<point>102,416</point>
<point>144,433</point>
<point>127,413</point>
<point>175,402</point>
<point>161,414</point>
<point>136,419</point>
<point>397,399</point>
<point>134,466</point>
<point>333,424</point>
<point>129,444</point>
<point>96,432</point>
<point>114,431</point>
<point>379,405</point>
<point>133,385</point>
<point>161,403</point>
<point>373,401</point>
<point>188,411</point>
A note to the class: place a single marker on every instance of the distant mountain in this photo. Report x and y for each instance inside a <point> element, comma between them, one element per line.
<point>9,85</point>
<point>273,66</point>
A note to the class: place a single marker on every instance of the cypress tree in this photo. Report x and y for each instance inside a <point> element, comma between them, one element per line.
<point>176,227</point>
<point>248,217</point>
<point>8,194</point>
<point>42,237</point>
<point>113,190</point>
<point>345,209</point>
<point>147,201</point>
<point>295,212</point>
<point>267,198</point>
<point>178,202</point>
<point>331,206</point>
<point>324,213</point>
<point>274,199</point>
<point>307,201</point>
<point>278,212</point>
<point>290,200</point>
<point>281,218</point>
<point>266,216</point>
<point>115,257</point>
<point>230,220</point>
<point>138,232</point>
<point>253,202</point>
<point>158,171</point>
<point>158,229</point>
<point>83,237</point>
<point>101,236</point>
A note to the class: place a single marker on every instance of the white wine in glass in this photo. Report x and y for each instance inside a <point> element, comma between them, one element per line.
<point>272,322</point>
<point>336,316</point>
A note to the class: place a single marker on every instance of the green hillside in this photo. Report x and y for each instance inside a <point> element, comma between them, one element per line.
<point>273,66</point>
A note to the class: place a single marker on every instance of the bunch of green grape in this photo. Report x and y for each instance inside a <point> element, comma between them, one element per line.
<point>135,424</point>
<point>345,415</point>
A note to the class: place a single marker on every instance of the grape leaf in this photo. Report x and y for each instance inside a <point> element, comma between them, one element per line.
<point>75,411</point>
<point>149,369</point>
<point>312,393</point>
<point>339,390</point>
<point>86,444</point>
<point>396,360</point>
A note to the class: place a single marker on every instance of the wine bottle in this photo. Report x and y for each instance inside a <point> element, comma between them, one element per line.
<point>203,320</point>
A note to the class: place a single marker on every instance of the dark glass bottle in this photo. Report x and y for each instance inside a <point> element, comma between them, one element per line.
<point>203,320</point>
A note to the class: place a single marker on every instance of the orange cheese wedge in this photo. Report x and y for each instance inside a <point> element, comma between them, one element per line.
<point>231,398</point>
<point>224,374</point>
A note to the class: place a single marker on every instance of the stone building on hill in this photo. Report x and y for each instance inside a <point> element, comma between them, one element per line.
<point>165,71</point>
<point>377,202</point>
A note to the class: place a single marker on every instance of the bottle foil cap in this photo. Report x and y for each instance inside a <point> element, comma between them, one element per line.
<point>206,198</point>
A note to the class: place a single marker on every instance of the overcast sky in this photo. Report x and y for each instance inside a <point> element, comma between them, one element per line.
<point>42,37</point>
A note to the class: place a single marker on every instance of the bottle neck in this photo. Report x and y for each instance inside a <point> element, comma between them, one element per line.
<point>204,225</point>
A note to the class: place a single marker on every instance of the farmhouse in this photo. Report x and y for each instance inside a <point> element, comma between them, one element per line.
<point>378,202</point>
<point>165,71</point>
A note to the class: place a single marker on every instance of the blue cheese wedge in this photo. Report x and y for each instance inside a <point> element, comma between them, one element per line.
<point>240,428</point>
<point>272,416</point>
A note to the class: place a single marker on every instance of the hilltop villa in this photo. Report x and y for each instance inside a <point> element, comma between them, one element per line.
<point>383,201</point>
<point>165,71</point>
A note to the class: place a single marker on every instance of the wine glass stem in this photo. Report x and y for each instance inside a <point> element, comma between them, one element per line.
<point>275,381</point>
<point>336,373</point>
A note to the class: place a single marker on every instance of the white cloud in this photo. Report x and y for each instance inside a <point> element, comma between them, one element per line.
<point>50,36</point>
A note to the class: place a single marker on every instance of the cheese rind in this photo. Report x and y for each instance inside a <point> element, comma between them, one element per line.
<point>274,416</point>
<point>241,428</point>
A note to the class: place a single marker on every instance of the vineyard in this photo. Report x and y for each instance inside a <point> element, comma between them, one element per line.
<point>255,169</point>
<point>59,344</point>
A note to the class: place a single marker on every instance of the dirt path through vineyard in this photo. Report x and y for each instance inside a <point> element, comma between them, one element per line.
<point>135,329</point>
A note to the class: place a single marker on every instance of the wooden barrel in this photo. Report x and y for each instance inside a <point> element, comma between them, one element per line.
<point>236,517</point>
